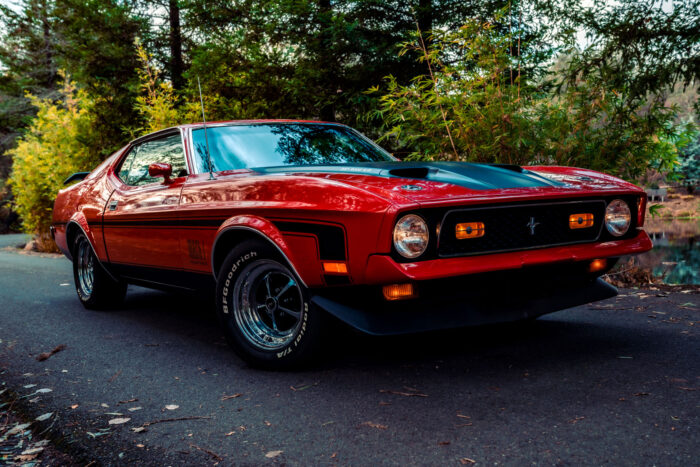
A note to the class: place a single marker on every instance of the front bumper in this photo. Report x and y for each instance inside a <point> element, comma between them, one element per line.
<point>467,300</point>
<point>382,269</point>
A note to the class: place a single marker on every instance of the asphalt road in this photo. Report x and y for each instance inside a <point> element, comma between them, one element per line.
<point>614,383</point>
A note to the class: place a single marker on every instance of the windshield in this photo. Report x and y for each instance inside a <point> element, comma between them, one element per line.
<point>269,145</point>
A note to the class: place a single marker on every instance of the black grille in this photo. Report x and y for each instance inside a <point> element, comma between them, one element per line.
<point>519,227</point>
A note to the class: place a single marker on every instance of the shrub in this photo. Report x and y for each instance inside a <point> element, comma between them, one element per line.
<point>472,104</point>
<point>56,144</point>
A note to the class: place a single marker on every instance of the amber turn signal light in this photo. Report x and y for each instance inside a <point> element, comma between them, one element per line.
<point>597,265</point>
<point>399,292</point>
<point>469,230</point>
<point>581,221</point>
<point>335,268</point>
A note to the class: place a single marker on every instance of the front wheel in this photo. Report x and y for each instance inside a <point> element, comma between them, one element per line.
<point>95,288</point>
<point>264,309</point>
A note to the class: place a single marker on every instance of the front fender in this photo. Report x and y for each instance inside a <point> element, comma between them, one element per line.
<point>243,227</point>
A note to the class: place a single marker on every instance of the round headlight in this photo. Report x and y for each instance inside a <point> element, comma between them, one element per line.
<point>617,217</point>
<point>411,236</point>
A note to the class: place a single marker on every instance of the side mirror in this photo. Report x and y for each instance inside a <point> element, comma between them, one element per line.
<point>161,169</point>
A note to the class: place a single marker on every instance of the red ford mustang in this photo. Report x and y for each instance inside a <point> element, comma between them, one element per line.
<point>292,221</point>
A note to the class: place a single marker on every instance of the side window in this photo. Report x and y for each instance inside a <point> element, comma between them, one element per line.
<point>126,165</point>
<point>167,150</point>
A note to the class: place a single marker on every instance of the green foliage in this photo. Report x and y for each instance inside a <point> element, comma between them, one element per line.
<point>157,102</point>
<point>689,167</point>
<point>56,144</point>
<point>472,104</point>
<point>648,45</point>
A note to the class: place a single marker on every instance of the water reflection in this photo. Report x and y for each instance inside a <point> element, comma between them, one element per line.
<point>676,255</point>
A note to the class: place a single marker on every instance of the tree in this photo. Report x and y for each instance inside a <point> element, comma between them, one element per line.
<point>466,107</point>
<point>97,50</point>
<point>56,144</point>
<point>27,64</point>
<point>649,46</point>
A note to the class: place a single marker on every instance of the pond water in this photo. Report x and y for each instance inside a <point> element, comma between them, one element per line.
<point>675,257</point>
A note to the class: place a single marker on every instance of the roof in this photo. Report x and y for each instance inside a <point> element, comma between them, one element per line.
<point>224,123</point>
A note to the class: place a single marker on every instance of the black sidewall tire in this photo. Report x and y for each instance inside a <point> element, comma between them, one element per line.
<point>106,293</point>
<point>302,350</point>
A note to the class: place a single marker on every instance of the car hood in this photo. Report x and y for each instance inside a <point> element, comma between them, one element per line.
<point>425,182</point>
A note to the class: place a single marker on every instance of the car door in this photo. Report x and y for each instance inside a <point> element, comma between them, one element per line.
<point>141,218</point>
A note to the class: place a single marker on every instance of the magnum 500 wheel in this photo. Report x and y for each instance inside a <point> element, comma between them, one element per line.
<point>264,309</point>
<point>96,289</point>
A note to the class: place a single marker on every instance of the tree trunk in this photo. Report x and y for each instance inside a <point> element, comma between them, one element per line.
<point>50,70</point>
<point>176,63</point>
<point>326,61</point>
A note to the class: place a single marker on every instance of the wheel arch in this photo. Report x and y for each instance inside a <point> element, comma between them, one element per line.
<point>241,228</point>
<point>76,226</point>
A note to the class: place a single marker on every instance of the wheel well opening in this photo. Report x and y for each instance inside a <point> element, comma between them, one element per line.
<point>72,231</point>
<point>233,237</point>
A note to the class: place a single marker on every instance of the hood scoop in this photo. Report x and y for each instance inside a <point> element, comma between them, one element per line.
<point>411,172</point>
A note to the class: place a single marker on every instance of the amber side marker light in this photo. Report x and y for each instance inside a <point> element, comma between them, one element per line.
<point>399,292</point>
<point>598,265</point>
<point>469,230</point>
<point>581,221</point>
<point>335,268</point>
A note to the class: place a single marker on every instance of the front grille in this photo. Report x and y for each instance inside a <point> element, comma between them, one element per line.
<point>519,227</point>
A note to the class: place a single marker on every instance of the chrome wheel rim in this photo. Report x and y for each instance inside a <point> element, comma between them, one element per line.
<point>86,268</point>
<point>268,305</point>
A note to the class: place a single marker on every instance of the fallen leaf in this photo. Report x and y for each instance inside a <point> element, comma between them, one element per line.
<point>29,386</point>
<point>467,461</point>
<point>575,420</point>
<point>138,429</point>
<point>134,409</point>
<point>26,458</point>
<point>232,396</point>
<point>104,405</point>
<point>17,429</point>
<point>230,433</point>
<point>334,455</point>
<point>46,355</point>
<point>375,425</point>
<point>43,391</point>
<point>118,421</point>
<point>32,451</point>
<point>273,454</point>
<point>172,407</point>
<point>268,423</point>
<point>140,445</point>
<point>43,417</point>
<point>127,401</point>
<point>116,414</point>
<point>74,406</point>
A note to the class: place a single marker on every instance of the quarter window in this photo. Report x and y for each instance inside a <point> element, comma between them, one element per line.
<point>134,169</point>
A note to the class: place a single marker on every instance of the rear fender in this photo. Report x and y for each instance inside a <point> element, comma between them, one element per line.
<point>76,225</point>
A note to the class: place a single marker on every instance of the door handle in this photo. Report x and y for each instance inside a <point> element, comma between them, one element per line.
<point>113,205</point>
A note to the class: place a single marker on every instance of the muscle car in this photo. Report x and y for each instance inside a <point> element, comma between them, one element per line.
<point>295,224</point>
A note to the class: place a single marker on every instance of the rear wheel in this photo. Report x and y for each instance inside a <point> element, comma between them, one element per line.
<point>264,309</point>
<point>95,288</point>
